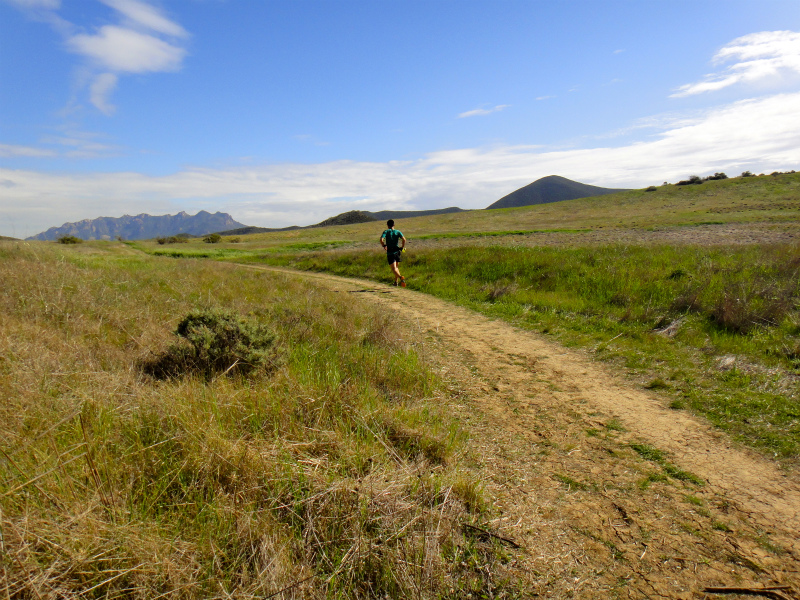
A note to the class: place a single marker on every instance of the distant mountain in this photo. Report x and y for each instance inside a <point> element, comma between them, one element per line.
<point>365,216</point>
<point>142,227</point>
<point>385,215</point>
<point>347,218</point>
<point>253,229</point>
<point>550,189</point>
<point>4,238</point>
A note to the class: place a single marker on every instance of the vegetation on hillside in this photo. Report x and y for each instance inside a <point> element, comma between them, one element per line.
<point>718,327</point>
<point>328,472</point>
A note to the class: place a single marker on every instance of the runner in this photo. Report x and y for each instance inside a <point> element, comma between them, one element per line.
<point>394,242</point>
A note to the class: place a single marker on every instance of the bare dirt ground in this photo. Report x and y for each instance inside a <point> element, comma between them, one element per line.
<point>566,449</point>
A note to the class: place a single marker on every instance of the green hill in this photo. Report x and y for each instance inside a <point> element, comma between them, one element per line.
<point>550,189</point>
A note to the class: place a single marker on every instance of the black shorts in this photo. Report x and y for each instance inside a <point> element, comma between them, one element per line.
<point>393,257</point>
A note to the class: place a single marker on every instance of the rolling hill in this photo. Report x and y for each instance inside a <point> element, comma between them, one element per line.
<point>552,188</point>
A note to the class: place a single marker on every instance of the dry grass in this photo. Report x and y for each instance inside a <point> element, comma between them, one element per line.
<point>335,475</point>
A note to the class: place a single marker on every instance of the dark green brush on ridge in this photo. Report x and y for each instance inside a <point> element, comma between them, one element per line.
<point>552,188</point>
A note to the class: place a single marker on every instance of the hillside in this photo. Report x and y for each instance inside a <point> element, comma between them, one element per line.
<point>383,215</point>
<point>552,188</point>
<point>142,227</point>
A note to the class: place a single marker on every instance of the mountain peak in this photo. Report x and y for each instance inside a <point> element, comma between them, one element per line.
<point>552,188</point>
<point>143,226</point>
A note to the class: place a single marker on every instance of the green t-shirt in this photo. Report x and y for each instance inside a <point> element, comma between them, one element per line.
<point>393,237</point>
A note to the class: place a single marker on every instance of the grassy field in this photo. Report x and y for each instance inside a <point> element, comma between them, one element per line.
<point>328,470</point>
<point>714,324</point>
<point>717,329</point>
<point>137,463</point>
<point>769,201</point>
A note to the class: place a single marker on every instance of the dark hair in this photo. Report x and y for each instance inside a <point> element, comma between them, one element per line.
<point>390,223</point>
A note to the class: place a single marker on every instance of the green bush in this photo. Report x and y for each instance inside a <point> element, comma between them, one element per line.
<point>173,239</point>
<point>216,341</point>
<point>214,238</point>
<point>69,239</point>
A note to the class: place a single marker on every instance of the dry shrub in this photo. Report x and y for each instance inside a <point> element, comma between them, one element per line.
<point>218,341</point>
<point>740,309</point>
<point>688,300</point>
<point>498,289</point>
<point>414,444</point>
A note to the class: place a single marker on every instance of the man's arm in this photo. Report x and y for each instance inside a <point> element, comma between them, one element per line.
<point>402,241</point>
<point>383,236</point>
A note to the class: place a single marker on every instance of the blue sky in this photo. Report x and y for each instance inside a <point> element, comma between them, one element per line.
<point>286,113</point>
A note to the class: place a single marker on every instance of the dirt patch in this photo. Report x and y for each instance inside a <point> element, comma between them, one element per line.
<point>609,492</point>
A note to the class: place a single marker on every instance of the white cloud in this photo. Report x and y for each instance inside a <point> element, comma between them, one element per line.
<point>762,58</point>
<point>124,50</point>
<point>149,17</point>
<point>479,112</point>
<point>12,151</point>
<point>100,90</point>
<point>37,4</point>
<point>143,41</point>
<point>757,135</point>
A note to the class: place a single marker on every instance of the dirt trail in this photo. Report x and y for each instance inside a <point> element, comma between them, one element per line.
<point>558,436</point>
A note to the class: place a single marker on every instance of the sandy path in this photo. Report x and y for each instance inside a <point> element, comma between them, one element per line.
<point>545,410</point>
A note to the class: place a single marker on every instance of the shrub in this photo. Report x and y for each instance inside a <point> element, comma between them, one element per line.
<point>740,309</point>
<point>693,180</point>
<point>234,240</point>
<point>173,239</point>
<point>716,176</point>
<point>747,174</point>
<point>219,341</point>
<point>214,238</point>
<point>69,239</point>
<point>652,188</point>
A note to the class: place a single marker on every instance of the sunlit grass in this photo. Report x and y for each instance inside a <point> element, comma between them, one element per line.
<point>716,327</point>
<point>336,473</point>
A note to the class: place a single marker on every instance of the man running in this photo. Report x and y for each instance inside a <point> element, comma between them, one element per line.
<point>394,242</point>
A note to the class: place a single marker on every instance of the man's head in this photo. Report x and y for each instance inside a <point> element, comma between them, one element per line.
<point>390,223</point>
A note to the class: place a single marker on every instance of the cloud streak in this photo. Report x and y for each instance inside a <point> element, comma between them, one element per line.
<point>124,50</point>
<point>480,112</point>
<point>757,135</point>
<point>764,57</point>
<point>143,40</point>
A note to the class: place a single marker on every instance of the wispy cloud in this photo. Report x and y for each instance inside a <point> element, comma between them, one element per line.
<point>544,97</point>
<point>479,112</point>
<point>765,57</point>
<point>143,40</point>
<point>12,151</point>
<point>124,50</point>
<point>310,139</point>
<point>37,4</point>
<point>141,14</point>
<point>101,89</point>
<point>757,135</point>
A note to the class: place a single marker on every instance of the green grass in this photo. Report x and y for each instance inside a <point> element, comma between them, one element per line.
<point>770,201</point>
<point>486,234</point>
<point>337,467</point>
<point>655,455</point>
<point>722,301</point>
